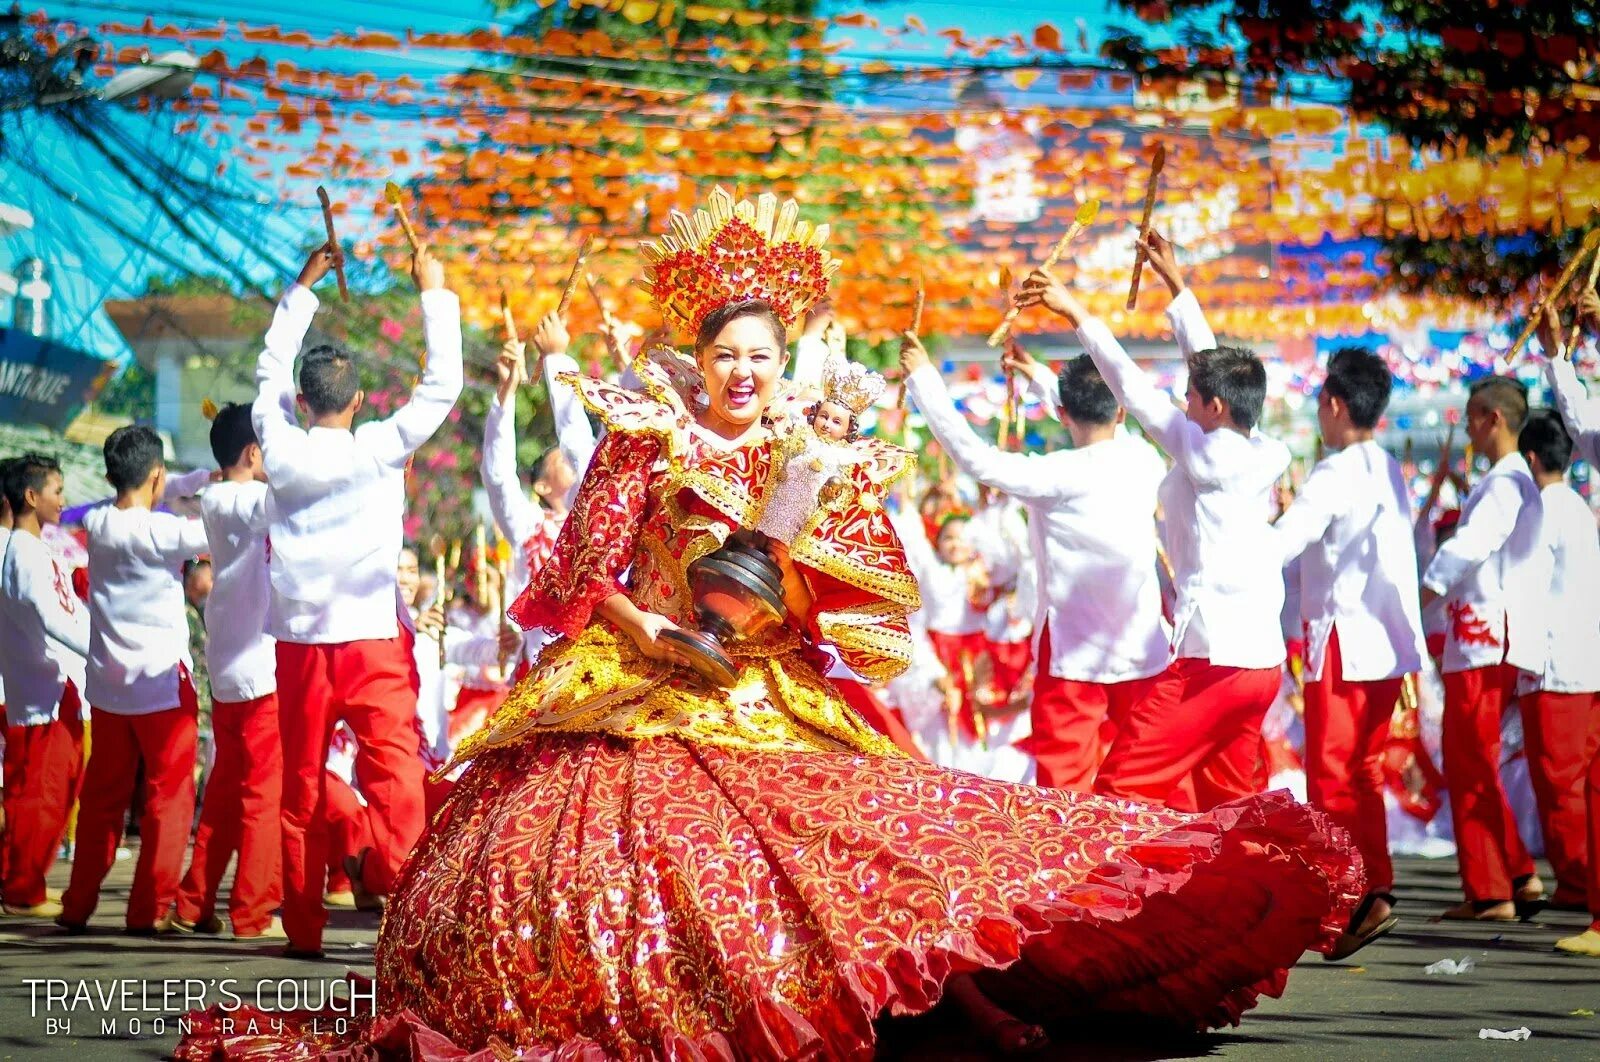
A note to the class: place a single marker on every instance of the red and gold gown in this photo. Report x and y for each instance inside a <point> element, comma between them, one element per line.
<point>636,865</point>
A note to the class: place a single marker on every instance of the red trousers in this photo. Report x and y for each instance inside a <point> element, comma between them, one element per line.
<point>1070,719</point>
<point>44,764</point>
<point>472,709</point>
<point>165,743</point>
<point>369,685</point>
<point>1347,731</point>
<point>1210,735</point>
<point>1563,740</point>
<point>884,720</point>
<point>959,654</point>
<point>1592,799</point>
<point>1488,847</point>
<point>240,814</point>
<point>1010,662</point>
<point>347,828</point>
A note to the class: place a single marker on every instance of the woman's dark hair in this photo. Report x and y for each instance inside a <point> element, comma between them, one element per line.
<point>720,318</point>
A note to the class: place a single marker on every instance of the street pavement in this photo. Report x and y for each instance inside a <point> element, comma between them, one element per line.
<point>1378,1005</point>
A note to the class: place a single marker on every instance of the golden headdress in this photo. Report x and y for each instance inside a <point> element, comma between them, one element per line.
<point>853,386</point>
<point>729,251</point>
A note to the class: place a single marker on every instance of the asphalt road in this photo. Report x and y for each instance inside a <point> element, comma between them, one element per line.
<point>1379,1005</point>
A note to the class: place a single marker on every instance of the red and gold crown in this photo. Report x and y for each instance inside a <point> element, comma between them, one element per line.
<point>730,251</point>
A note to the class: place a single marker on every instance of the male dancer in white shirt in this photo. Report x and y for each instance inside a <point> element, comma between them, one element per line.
<point>1561,701</point>
<point>338,497</point>
<point>44,630</point>
<point>1575,590</point>
<point>241,810</point>
<point>1227,646</point>
<point>1494,580</point>
<point>140,693</point>
<point>1350,525</point>
<point>1098,637</point>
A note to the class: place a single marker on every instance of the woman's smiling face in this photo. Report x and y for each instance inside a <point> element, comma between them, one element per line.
<point>741,365</point>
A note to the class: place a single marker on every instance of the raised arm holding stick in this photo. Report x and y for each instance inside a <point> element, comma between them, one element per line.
<point>1085,216</point>
<point>1587,248</point>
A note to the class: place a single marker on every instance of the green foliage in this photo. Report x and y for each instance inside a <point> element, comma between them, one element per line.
<point>1491,80</point>
<point>689,44</point>
<point>131,393</point>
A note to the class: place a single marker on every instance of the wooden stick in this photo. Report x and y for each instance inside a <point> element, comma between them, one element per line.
<point>502,559</point>
<point>917,305</point>
<point>1144,223</point>
<point>1086,215</point>
<point>1577,317</point>
<point>441,592</point>
<point>333,242</point>
<point>394,195</point>
<point>1590,242</point>
<point>606,320</point>
<point>575,276</point>
<point>509,323</point>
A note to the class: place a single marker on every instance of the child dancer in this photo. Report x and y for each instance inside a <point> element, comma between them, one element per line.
<point>141,698</point>
<point>45,631</point>
<point>1491,576</point>
<point>241,810</point>
<point>1350,526</point>
<point>1561,701</point>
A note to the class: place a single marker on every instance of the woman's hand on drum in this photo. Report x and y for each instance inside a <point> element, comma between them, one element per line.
<point>796,594</point>
<point>643,627</point>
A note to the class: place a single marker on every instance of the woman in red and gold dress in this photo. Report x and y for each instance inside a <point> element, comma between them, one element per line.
<point>638,864</point>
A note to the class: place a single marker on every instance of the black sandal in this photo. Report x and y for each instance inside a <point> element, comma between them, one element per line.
<point>1352,941</point>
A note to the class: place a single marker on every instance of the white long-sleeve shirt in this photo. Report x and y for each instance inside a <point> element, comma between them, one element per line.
<point>240,655</point>
<point>810,355</point>
<point>138,633</point>
<point>529,527</point>
<point>1216,500</point>
<point>1572,609</point>
<point>999,532</point>
<point>1580,412</point>
<point>339,496</point>
<point>1351,528</point>
<point>574,433</point>
<point>1494,574</point>
<point>44,629</point>
<point>1091,522</point>
<point>946,589</point>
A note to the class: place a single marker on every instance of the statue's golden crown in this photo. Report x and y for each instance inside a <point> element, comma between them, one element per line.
<point>853,386</point>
